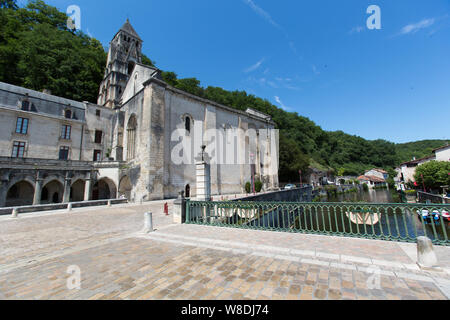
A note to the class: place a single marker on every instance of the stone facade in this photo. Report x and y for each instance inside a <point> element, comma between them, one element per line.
<point>55,150</point>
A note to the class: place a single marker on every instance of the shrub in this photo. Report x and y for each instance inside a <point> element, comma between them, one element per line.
<point>248,187</point>
<point>365,187</point>
<point>258,186</point>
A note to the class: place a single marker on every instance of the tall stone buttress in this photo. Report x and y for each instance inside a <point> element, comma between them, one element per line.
<point>125,51</point>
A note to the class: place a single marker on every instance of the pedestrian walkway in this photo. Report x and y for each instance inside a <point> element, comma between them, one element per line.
<point>117,261</point>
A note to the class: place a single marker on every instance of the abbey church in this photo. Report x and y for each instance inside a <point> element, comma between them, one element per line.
<point>55,150</point>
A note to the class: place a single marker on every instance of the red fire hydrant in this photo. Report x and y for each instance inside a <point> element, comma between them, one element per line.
<point>166,209</point>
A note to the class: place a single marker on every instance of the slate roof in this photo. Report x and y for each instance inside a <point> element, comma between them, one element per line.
<point>128,28</point>
<point>441,148</point>
<point>418,161</point>
<point>372,179</point>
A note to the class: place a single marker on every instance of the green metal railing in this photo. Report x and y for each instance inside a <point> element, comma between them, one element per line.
<point>391,222</point>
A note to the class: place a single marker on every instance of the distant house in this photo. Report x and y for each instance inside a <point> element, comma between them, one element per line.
<point>408,169</point>
<point>379,173</point>
<point>372,181</point>
<point>442,154</point>
<point>374,178</point>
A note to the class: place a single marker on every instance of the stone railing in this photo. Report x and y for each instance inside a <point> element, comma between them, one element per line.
<point>60,206</point>
<point>31,162</point>
<point>432,198</point>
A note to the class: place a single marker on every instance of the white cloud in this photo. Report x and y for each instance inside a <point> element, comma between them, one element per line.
<point>413,28</point>
<point>264,14</point>
<point>255,66</point>
<point>278,100</point>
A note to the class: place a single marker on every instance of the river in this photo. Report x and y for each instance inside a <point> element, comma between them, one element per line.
<point>371,196</point>
<point>393,223</point>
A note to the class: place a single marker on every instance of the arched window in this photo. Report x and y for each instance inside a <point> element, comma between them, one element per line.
<point>135,82</point>
<point>188,191</point>
<point>131,139</point>
<point>187,124</point>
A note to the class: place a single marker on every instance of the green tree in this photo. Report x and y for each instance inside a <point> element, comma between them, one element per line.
<point>38,52</point>
<point>8,4</point>
<point>170,78</point>
<point>435,174</point>
<point>190,85</point>
<point>292,160</point>
<point>147,61</point>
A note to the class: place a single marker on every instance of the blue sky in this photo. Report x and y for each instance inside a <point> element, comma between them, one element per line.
<point>316,58</point>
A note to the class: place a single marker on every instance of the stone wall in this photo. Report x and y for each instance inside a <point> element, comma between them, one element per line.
<point>60,206</point>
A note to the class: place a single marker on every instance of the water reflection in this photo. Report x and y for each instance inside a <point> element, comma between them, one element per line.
<point>372,196</point>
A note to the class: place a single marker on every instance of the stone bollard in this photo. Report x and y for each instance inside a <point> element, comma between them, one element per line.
<point>109,203</point>
<point>69,207</point>
<point>148,222</point>
<point>179,209</point>
<point>426,257</point>
<point>15,213</point>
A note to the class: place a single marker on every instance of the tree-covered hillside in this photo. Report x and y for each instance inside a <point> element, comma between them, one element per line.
<point>418,149</point>
<point>38,51</point>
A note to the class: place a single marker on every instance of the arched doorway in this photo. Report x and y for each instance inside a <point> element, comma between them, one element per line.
<point>20,194</point>
<point>131,138</point>
<point>104,189</point>
<point>52,192</point>
<point>77,191</point>
<point>125,188</point>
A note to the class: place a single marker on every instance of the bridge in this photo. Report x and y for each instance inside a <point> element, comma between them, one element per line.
<point>226,250</point>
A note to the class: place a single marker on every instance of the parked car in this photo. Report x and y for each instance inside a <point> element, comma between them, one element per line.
<point>289,187</point>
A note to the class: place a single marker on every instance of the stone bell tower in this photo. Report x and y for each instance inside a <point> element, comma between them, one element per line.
<point>125,51</point>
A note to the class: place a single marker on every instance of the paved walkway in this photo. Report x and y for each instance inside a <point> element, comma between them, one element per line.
<point>116,261</point>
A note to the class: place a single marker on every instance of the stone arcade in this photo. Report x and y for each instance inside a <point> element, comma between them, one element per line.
<point>55,150</point>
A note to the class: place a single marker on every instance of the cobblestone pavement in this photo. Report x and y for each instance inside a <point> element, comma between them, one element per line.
<point>197,262</point>
<point>34,235</point>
